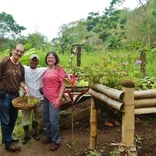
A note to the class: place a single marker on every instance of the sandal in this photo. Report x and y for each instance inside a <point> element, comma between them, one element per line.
<point>36,136</point>
<point>54,147</point>
<point>13,148</point>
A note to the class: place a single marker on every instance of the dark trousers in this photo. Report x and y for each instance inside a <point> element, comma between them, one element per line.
<point>8,116</point>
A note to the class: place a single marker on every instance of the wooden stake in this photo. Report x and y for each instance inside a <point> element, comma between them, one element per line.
<point>128,116</point>
<point>128,119</point>
<point>93,125</point>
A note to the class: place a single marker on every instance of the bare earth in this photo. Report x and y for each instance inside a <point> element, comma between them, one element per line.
<point>109,131</point>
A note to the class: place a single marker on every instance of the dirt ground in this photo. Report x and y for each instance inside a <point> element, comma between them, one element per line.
<point>109,131</point>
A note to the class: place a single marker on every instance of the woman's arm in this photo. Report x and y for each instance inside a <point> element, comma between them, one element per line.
<point>58,101</point>
<point>61,90</point>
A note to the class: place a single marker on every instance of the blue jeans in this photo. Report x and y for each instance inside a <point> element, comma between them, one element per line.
<point>8,116</point>
<point>51,121</point>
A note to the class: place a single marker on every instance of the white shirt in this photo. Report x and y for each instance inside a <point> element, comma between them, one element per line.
<point>33,80</point>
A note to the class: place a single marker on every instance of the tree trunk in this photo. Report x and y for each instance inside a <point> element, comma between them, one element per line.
<point>143,63</point>
<point>79,56</point>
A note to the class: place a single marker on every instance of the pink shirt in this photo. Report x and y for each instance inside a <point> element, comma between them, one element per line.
<point>52,83</point>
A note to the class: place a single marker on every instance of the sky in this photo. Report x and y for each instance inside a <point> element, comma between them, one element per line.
<point>47,16</point>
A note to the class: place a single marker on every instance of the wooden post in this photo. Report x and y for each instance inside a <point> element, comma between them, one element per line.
<point>78,56</point>
<point>128,120</point>
<point>71,58</point>
<point>93,125</point>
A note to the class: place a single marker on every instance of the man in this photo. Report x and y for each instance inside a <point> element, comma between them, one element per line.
<point>11,77</point>
<point>33,79</point>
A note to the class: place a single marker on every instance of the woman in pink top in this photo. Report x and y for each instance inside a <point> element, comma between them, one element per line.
<point>53,87</point>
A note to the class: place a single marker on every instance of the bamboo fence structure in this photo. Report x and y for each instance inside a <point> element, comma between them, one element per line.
<point>127,101</point>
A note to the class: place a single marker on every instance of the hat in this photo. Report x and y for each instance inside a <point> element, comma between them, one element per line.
<point>34,56</point>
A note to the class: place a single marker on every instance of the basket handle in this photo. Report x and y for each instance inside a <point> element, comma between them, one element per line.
<point>27,96</point>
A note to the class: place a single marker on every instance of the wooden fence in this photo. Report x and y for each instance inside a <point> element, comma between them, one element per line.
<point>127,101</point>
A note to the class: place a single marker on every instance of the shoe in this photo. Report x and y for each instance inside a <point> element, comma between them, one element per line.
<point>25,140</point>
<point>45,140</point>
<point>36,136</point>
<point>13,148</point>
<point>54,147</point>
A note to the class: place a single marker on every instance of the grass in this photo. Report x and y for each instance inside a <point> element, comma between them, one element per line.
<point>18,130</point>
<point>121,56</point>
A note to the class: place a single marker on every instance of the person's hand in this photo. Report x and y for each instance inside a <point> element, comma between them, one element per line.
<point>57,103</point>
<point>59,66</point>
<point>5,58</point>
<point>26,90</point>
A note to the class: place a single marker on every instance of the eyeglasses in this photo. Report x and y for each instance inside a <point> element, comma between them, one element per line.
<point>19,51</point>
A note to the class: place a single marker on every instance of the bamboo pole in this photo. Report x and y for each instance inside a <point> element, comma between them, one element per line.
<point>128,116</point>
<point>145,110</point>
<point>93,125</point>
<point>145,94</point>
<point>110,92</point>
<point>141,103</point>
<point>110,102</point>
<point>128,123</point>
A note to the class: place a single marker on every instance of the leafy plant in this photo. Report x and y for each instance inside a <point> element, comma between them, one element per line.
<point>93,153</point>
<point>146,83</point>
<point>107,72</point>
<point>138,139</point>
<point>113,153</point>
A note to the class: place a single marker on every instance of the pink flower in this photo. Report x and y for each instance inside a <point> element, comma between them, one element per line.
<point>138,62</point>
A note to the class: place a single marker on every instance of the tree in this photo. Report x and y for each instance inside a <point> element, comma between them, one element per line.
<point>112,22</point>
<point>37,40</point>
<point>9,30</point>
<point>63,43</point>
<point>142,22</point>
<point>8,27</point>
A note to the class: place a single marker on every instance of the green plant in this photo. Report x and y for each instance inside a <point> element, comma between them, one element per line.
<point>18,129</point>
<point>113,153</point>
<point>138,139</point>
<point>93,153</point>
<point>106,71</point>
<point>146,83</point>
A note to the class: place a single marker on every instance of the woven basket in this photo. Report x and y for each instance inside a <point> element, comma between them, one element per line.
<point>25,102</point>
